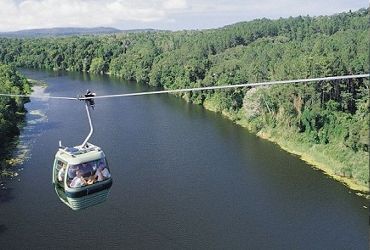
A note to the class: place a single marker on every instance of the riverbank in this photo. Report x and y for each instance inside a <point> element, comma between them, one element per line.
<point>15,154</point>
<point>12,113</point>
<point>18,157</point>
<point>313,155</point>
<point>38,83</point>
<point>17,151</point>
<point>316,158</point>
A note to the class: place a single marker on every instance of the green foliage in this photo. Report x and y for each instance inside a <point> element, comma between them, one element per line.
<point>98,66</point>
<point>330,114</point>
<point>11,109</point>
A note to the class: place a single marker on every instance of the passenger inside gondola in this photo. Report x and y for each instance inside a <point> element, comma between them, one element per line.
<point>78,180</point>
<point>72,171</point>
<point>87,173</point>
<point>62,173</point>
<point>102,172</point>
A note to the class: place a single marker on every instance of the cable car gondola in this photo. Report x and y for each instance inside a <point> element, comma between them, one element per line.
<point>81,176</point>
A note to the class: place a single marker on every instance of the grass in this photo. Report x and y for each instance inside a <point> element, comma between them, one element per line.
<point>341,163</point>
<point>344,165</point>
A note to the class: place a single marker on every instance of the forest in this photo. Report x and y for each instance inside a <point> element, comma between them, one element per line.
<point>12,111</point>
<point>329,121</point>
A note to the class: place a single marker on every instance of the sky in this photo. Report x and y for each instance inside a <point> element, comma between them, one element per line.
<point>158,14</point>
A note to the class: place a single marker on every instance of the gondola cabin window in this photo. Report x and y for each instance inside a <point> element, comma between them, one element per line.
<point>87,173</point>
<point>60,172</point>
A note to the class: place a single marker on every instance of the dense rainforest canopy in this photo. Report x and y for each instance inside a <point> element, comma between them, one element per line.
<point>330,119</point>
<point>11,109</point>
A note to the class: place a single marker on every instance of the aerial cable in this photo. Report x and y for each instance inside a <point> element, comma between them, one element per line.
<point>41,96</point>
<point>236,86</point>
<point>330,78</point>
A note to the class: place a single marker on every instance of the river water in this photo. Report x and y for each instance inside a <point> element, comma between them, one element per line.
<point>184,178</point>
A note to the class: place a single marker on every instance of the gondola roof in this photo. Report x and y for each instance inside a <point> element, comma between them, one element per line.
<point>77,155</point>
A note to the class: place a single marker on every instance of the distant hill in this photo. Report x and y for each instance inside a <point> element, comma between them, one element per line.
<point>66,31</point>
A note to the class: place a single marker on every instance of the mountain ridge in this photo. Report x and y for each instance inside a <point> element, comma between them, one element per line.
<point>66,31</point>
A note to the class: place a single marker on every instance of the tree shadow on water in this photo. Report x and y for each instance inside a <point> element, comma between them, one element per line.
<point>6,195</point>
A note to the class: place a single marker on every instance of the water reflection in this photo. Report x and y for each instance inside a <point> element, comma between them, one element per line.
<point>6,194</point>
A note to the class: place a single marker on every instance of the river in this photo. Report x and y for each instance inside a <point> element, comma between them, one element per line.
<point>183,178</point>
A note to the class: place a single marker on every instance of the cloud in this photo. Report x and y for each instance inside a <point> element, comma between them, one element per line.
<point>161,14</point>
<point>268,8</point>
<point>87,13</point>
